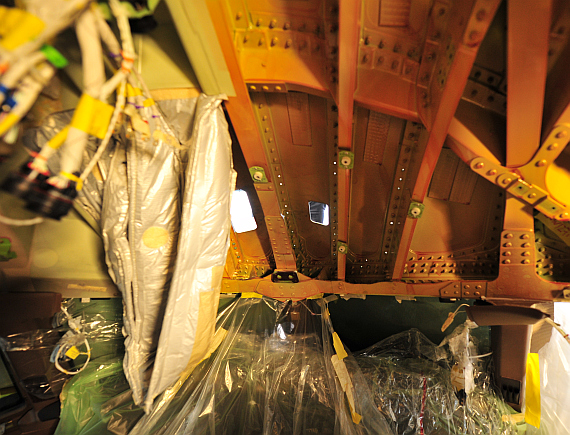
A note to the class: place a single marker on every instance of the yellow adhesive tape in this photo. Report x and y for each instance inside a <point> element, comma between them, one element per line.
<point>92,116</point>
<point>72,352</point>
<point>132,91</point>
<point>251,295</point>
<point>532,397</point>
<point>8,122</point>
<point>338,346</point>
<point>18,27</point>
<point>73,177</point>
<point>58,140</point>
<point>148,102</point>
<point>346,385</point>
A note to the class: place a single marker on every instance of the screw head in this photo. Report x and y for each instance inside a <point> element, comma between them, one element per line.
<point>541,163</point>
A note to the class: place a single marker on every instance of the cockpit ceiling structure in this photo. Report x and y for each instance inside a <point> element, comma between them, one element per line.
<point>387,147</point>
<point>435,131</point>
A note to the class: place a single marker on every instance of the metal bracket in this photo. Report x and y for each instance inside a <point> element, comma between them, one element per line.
<point>258,174</point>
<point>464,290</point>
<point>346,159</point>
<point>532,194</point>
<point>415,210</point>
<point>285,277</point>
<point>342,248</point>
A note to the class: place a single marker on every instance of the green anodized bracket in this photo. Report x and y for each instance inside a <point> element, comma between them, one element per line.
<point>258,174</point>
<point>5,249</point>
<point>346,159</point>
<point>416,210</point>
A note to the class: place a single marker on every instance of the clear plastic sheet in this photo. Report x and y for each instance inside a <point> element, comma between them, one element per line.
<point>413,386</point>
<point>98,401</point>
<point>30,352</point>
<point>271,374</point>
<point>554,361</point>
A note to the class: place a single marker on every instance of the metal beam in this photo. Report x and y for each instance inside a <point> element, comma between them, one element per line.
<point>349,34</point>
<point>528,29</point>
<point>445,90</point>
<point>246,128</point>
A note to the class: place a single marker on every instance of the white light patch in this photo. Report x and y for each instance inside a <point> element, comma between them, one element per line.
<point>319,213</point>
<point>241,213</point>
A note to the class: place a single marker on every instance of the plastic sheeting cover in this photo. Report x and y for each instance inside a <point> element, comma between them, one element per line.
<point>554,361</point>
<point>411,380</point>
<point>272,374</point>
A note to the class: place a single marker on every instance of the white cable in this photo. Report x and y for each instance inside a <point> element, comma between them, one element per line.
<point>67,372</point>
<point>119,107</point>
<point>17,71</point>
<point>20,222</point>
<point>61,347</point>
<point>53,27</point>
<point>558,328</point>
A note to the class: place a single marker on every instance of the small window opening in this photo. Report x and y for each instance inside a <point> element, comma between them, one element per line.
<point>319,213</point>
<point>241,213</point>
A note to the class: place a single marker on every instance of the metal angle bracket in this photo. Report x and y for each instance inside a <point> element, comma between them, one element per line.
<point>525,191</point>
<point>285,276</point>
<point>415,210</point>
<point>342,247</point>
<point>258,174</point>
<point>346,159</point>
<point>464,290</point>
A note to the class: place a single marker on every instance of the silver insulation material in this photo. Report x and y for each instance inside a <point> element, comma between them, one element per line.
<point>202,247</point>
<point>164,217</point>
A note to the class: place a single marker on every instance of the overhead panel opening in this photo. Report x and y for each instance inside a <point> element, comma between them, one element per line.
<point>319,213</point>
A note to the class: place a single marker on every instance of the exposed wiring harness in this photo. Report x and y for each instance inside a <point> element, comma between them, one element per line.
<point>26,69</point>
<point>68,345</point>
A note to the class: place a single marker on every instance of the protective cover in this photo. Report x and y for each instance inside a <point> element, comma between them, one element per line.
<point>98,401</point>
<point>554,361</point>
<point>141,191</point>
<point>189,321</point>
<point>31,352</point>
<point>272,374</point>
<point>422,388</point>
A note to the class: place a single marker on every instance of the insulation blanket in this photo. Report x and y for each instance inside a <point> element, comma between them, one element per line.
<point>163,213</point>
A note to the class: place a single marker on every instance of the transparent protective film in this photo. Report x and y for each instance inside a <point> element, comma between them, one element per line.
<point>271,374</point>
<point>420,387</point>
<point>554,361</point>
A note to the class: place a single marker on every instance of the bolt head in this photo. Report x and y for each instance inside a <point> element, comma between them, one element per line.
<point>480,165</point>
<point>541,163</point>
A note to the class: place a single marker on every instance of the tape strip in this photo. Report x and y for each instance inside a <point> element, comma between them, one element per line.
<point>532,397</point>
<point>53,56</point>
<point>132,91</point>
<point>73,177</point>
<point>251,295</point>
<point>92,116</point>
<point>58,140</point>
<point>338,346</point>
<point>166,138</point>
<point>18,27</point>
<point>148,102</point>
<point>346,385</point>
